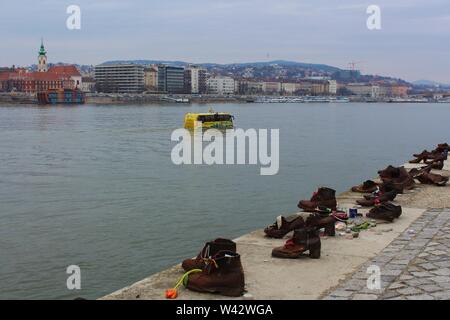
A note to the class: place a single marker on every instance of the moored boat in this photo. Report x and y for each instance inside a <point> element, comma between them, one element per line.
<point>61,96</point>
<point>209,120</point>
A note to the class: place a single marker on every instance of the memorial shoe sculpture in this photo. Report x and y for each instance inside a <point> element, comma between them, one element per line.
<point>323,197</point>
<point>210,249</point>
<point>222,274</point>
<point>304,239</point>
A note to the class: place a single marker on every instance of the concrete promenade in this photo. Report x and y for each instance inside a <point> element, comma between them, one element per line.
<point>412,253</point>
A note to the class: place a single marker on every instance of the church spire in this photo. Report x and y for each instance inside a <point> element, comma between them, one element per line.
<point>42,51</point>
<point>42,58</point>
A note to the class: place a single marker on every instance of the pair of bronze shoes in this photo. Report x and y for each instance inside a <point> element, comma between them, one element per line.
<point>316,220</point>
<point>219,269</point>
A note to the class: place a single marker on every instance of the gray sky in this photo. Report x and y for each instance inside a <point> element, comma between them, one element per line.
<point>414,42</point>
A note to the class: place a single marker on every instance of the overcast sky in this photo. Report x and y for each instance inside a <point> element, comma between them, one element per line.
<point>414,42</point>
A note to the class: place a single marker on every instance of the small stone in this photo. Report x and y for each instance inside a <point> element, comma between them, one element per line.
<point>409,291</point>
<point>342,293</point>
<point>396,285</point>
<point>442,295</point>
<point>400,262</point>
<point>430,288</point>
<point>442,272</point>
<point>438,252</point>
<point>420,297</point>
<point>248,296</point>
<point>422,274</point>
<point>428,266</point>
<point>393,272</point>
<point>360,296</point>
<point>397,298</point>
<point>440,279</point>
<point>335,298</point>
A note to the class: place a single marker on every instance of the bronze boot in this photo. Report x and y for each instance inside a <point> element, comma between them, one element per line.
<point>303,240</point>
<point>324,197</point>
<point>210,249</point>
<point>284,225</point>
<point>223,274</point>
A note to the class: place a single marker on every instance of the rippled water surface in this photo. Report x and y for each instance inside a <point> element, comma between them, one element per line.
<point>94,186</point>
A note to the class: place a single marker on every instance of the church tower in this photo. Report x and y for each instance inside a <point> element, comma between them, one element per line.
<point>42,59</point>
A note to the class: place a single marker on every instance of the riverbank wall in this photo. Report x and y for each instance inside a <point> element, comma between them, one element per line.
<point>305,278</point>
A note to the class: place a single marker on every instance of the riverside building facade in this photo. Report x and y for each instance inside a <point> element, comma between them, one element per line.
<point>46,77</point>
<point>195,80</point>
<point>119,78</point>
<point>221,85</point>
<point>171,79</point>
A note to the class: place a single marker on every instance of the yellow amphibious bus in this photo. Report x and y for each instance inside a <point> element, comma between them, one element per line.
<point>216,120</point>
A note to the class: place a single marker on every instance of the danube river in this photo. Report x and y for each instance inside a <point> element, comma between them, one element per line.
<point>95,186</point>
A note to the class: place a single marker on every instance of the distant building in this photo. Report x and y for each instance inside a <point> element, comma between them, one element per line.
<point>42,59</point>
<point>347,75</point>
<point>272,87</point>
<point>332,87</point>
<point>399,90</point>
<point>378,90</point>
<point>119,78</point>
<point>151,78</point>
<point>319,88</point>
<point>68,71</point>
<point>248,87</point>
<point>170,79</point>
<point>88,84</point>
<point>195,80</point>
<point>32,82</point>
<point>292,88</point>
<point>220,85</point>
<point>23,80</point>
<point>310,87</point>
<point>364,90</point>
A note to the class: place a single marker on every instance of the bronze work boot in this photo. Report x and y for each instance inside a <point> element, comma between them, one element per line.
<point>324,197</point>
<point>415,172</point>
<point>302,241</point>
<point>399,178</point>
<point>284,225</point>
<point>367,187</point>
<point>388,173</point>
<point>443,148</point>
<point>385,211</point>
<point>370,201</point>
<point>223,274</point>
<point>431,178</point>
<point>438,165</point>
<point>318,222</point>
<point>210,249</point>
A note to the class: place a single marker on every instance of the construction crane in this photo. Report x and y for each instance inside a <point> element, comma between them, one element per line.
<point>353,64</point>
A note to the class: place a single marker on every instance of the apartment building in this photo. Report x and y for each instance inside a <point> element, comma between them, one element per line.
<point>195,80</point>
<point>151,78</point>
<point>170,79</point>
<point>119,78</point>
<point>220,85</point>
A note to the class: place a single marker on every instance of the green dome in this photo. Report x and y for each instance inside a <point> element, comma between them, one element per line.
<point>42,51</point>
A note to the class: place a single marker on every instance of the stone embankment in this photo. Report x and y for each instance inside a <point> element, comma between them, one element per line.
<point>412,253</point>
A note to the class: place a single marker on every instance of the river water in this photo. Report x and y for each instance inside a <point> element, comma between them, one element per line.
<point>95,186</point>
